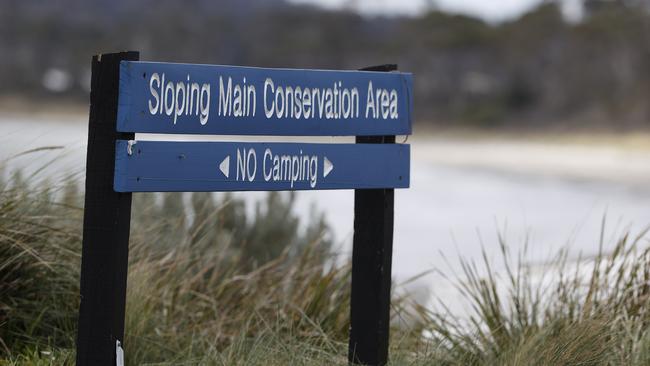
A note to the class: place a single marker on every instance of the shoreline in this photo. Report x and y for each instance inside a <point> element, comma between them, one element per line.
<point>598,157</point>
<point>11,106</point>
<point>639,139</point>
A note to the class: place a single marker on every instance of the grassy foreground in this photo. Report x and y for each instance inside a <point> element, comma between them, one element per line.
<point>213,284</point>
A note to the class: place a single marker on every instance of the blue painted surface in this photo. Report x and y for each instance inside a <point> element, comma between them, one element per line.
<point>161,166</point>
<point>140,111</point>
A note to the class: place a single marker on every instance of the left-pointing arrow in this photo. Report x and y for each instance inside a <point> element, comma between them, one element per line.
<point>225,166</point>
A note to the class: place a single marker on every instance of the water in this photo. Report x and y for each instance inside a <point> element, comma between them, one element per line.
<point>464,191</point>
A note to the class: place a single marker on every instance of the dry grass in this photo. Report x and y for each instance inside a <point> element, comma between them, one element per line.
<point>231,288</point>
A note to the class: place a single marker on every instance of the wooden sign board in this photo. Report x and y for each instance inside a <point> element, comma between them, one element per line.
<point>157,166</point>
<point>129,97</point>
<point>230,100</point>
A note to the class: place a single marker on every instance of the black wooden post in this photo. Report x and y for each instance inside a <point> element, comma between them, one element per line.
<point>106,224</point>
<point>372,254</point>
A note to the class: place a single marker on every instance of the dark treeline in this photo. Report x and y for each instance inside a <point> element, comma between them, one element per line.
<point>531,72</point>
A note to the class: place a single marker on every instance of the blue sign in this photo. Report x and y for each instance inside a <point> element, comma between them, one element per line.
<point>161,166</point>
<point>230,100</point>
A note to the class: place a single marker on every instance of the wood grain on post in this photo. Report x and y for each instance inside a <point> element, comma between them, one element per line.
<point>372,255</point>
<point>107,216</point>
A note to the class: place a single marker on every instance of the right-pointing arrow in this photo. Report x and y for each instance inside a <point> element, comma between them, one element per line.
<point>225,166</point>
<point>327,166</point>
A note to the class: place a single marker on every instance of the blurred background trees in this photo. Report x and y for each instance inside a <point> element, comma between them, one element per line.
<point>537,70</point>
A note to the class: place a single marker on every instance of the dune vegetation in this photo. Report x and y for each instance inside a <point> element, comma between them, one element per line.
<point>212,282</point>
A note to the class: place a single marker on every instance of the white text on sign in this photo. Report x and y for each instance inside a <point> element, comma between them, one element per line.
<point>276,167</point>
<point>176,98</point>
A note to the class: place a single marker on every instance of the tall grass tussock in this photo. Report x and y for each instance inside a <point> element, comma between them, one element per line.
<point>212,282</point>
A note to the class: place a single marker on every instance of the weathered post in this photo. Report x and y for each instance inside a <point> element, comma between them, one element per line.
<point>372,255</point>
<point>107,216</point>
